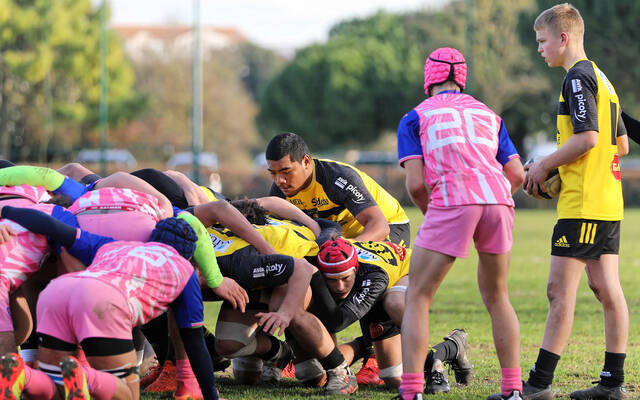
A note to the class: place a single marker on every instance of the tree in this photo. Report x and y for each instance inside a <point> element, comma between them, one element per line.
<point>50,73</point>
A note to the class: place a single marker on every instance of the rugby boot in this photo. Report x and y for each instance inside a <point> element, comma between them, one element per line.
<point>166,381</point>
<point>529,392</point>
<point>514,395</point>
<point>369,374</point>
<point>151,376</point>
<point>188,389</point>
<point>272,369</point>
<point>462,368</point>
<point>289,371</point>
<point>340,380</point>
<point>75,382</point>
<point>436,379</point>
<point>12,376</point>
<point>600,392</point>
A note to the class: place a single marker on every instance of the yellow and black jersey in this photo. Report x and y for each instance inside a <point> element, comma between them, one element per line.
<point>591,187</point>
<point>391,258</point>
<point>339,192</point>
<point>286,237</point>
<point>212,195</point>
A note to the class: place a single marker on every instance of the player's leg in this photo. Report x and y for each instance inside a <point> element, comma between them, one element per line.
<point>394,300</point>
<point>389,355</point>
<point>604,280</point>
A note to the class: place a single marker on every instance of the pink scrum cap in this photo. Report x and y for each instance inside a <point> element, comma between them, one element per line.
<point>445,64</point>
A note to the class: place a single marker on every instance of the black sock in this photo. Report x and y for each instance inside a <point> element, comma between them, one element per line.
<point>171,353</point>
<point>443,351</point>
<point>541,374</point>
<point>210,340</point>
<point>333,360</point>
<point>612,374</point>
<point>273,352</point>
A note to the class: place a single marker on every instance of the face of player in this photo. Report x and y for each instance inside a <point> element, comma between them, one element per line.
<point>341,285</point>
<point>551,46</point>
<point>291,176</point>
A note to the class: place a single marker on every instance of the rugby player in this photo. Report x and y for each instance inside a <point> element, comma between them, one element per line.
<point>462,151</point>
<point>335,191</point>
<point>366,282</point>
<point>591,138</point>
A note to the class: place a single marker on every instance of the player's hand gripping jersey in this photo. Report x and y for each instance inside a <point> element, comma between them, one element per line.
<point>464,146</point>
<point>591,186</point>
<point>339,192</point>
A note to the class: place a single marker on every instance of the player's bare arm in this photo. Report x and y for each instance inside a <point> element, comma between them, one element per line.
<point>514,172</point>
<point>415,183</point>
<point>577,146</point>
<point>623,145</point>
<point>283,209</point>
<point>375,224</point>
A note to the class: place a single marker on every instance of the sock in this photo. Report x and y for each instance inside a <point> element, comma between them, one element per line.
<point>183,370</point>
<point>333,360</point>
<point>541,374</point>
<point>102,385</point>
<point>511,380</point>
<point>412,384</point>
<point>443,351</point>
<point>612,374</point>
<point>38,384</point>
<point>82,358</point>
<point>274,352</point>
<point>187,382</point>
<point>171,354</point>
<point>29,355</point>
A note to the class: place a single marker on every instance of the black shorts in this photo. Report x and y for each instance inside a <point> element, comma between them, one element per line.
<point>376,325</point>
<point>400,234</point>
<point>254,271</point>
<point>585,238</point>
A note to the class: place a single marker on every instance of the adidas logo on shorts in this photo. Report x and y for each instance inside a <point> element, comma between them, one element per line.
<point>562,242</point>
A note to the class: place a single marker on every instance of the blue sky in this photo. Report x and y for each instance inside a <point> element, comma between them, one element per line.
<point>277,24</point>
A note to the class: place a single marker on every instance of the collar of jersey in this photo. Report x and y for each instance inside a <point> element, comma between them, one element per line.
<point>582,59</point>
<point>447,91</point>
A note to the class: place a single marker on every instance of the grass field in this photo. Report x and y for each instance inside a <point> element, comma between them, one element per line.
<point>458,304</point>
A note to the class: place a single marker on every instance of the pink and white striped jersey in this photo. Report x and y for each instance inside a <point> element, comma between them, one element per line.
<point>459,137</point>
<point>23,254</point>
<point>122,199</point>
<point>36,194</point>
<point>150,275</point>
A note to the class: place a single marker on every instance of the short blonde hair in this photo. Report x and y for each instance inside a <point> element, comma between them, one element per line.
<point>561,18</point>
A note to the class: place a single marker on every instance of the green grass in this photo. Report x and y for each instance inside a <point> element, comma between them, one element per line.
<point>458,304</point>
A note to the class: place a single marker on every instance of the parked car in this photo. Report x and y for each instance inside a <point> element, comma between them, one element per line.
<point>117,159</point>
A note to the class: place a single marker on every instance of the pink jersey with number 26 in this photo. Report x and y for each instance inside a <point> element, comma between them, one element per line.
<point>460,138</point>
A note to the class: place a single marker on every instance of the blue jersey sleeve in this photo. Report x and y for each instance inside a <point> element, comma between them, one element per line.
<point>64,215</point>
<point>86,246</point>
<point>409,137</point>
<point>506,150</point>
<point>188,307</point>
<point>72,189</point>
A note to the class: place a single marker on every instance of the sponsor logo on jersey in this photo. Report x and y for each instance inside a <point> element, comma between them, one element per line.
<point>581,112</point>
<point>576,85</point>
<point>360,297</point>
<point>356,192</point>
<point>258,272</point>
<point>606,81</point>
<point>341,182</point>
<point>275,269</point>
<point>219,245</point>
<point>296,202</point>
<point>562,242</point>
<point>366,256</point>
<point>319,201</point>
<point>615,168</point>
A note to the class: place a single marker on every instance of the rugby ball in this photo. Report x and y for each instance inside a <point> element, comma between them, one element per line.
<point>552,184</point>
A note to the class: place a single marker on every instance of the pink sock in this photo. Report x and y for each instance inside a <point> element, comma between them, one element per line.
<point>102,385</point>
<point>511,380</point>
<point>412,383</point>
<point>184,371</point>
<point>38,384</point>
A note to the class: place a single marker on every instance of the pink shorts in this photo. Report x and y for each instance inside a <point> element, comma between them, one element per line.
<point>449,230</point>
<point>130,226</point>
<point>6,323</point>
<point>72,309</point>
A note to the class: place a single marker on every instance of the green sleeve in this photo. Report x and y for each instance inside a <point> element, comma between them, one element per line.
<point>204,255</point>
<point>28,175</point>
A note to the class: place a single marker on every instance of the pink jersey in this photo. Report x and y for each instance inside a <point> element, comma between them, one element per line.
<point>460,138</point>
<point>23,254</point>
<point>36,194</point>
<point>150,275</point>
<point>117,199</point>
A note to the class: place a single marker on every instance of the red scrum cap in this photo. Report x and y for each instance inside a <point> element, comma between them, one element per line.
<point>337,257</point>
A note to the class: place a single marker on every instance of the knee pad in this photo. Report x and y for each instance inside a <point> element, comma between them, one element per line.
<point>238,333</point>
<point>391,372</point>
<point>247,370</point>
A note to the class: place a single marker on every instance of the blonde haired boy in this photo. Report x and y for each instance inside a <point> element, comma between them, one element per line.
<point>591,136</point>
